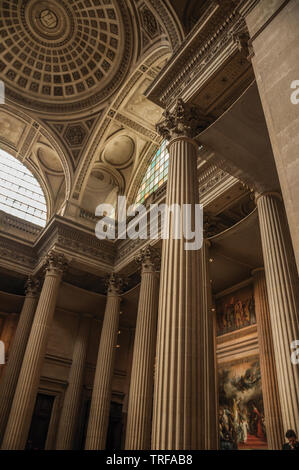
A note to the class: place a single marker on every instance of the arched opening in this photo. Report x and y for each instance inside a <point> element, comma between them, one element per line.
<point>20,193</point>
<point>156,174</point>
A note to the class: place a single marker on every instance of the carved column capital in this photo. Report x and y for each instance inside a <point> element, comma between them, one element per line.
<point>149,259</point>
<point>55,263</point>
<point>184,121</point>
<point>114,284</point>
<point>32,286</point>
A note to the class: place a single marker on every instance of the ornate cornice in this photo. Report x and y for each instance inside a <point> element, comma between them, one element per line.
<point>221,30</point>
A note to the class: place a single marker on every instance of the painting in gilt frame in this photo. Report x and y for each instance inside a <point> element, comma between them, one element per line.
<point>241,409</point>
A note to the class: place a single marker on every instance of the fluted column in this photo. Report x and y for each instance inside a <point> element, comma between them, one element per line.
<point>71,405</point>
<point>275,434</point>
<point>283,289</point>
<point>24,400</point>
<point>208,353</point>
<point>11,373</point>
<point>139,421</point>
<point>101,393</point>
<point>176,408</point>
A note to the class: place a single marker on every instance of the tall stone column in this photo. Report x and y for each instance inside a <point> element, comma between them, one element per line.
<point>139,422</point>
<point>11,373</point>
<point>176,408</point>
<point>101,393</point>
<point>24,400</point>
<point>273,28</point>
<point>275,434</point>
<point>71,405</point>
<point>209,396</point>
<point>283,289</point>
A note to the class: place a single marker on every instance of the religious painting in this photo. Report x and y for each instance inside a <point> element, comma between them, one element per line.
<point>235,311</point>
<point>241,409</point>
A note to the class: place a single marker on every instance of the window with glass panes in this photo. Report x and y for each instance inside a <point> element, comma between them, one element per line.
<point>156,174</point>
<point>20,193</point>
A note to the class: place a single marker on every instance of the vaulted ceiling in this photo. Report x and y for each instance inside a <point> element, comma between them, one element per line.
<point>75,71</point>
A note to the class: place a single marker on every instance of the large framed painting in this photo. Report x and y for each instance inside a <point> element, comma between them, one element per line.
<point>241,409</point>
<point>235,310</point>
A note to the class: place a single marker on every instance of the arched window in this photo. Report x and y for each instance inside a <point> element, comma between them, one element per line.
<point>20,193</point>
<point>156,174</point>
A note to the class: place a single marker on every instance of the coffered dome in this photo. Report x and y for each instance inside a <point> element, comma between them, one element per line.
<point>59,55</point>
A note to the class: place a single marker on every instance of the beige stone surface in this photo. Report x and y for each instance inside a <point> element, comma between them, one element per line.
<point>275,62</point>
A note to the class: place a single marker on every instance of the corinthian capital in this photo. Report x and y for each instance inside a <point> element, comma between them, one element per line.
<point>114,284</point>
<point>149,258</point>
<point>31,286</point>
<point>184,121</point>
<point>55,262</point>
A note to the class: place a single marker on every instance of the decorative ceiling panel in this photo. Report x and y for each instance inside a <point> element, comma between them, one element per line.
<point>58,55</point>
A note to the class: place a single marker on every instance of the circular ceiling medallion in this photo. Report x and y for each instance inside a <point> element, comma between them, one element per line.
<point>63,55</point>
<point>48,19</point>
<point>119,151</point>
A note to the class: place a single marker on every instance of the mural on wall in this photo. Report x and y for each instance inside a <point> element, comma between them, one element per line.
<point>8,325</point>
<point>235,311</point>
<point>241,410</point>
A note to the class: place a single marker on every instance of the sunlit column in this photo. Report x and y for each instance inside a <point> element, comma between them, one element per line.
<point>101,393</point>
<point>71,405</point>
<point>138,432</point>
<point>275,434</point>
<point>24,399</point>
<point>283,293</point>
<point>177,421</point>
<point>11,373</point>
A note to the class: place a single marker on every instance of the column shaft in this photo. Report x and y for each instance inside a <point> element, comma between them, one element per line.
<point>271,399</point>
<point>71,405</point>
<point>11,373</point>
<point>176,416</point>
<point>24,400</point>
<point>208,364</point>
<point>101,394</point>
<point>283,290</point>
<point>138,433</point>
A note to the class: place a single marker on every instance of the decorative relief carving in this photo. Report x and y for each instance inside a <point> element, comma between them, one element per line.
<point>75,135</point>
<point>115,284</point>
<point>17,254</point>
<point>135,126</point>
<point>89,157</point>
<point>149,258</point>
<point>184,120</point>
<point>32,286</point>
<point>168,22</point>
<point>55,263</point>
<point>149,22</point>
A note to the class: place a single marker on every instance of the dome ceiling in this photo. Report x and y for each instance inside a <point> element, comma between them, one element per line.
<point>63,56</point>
